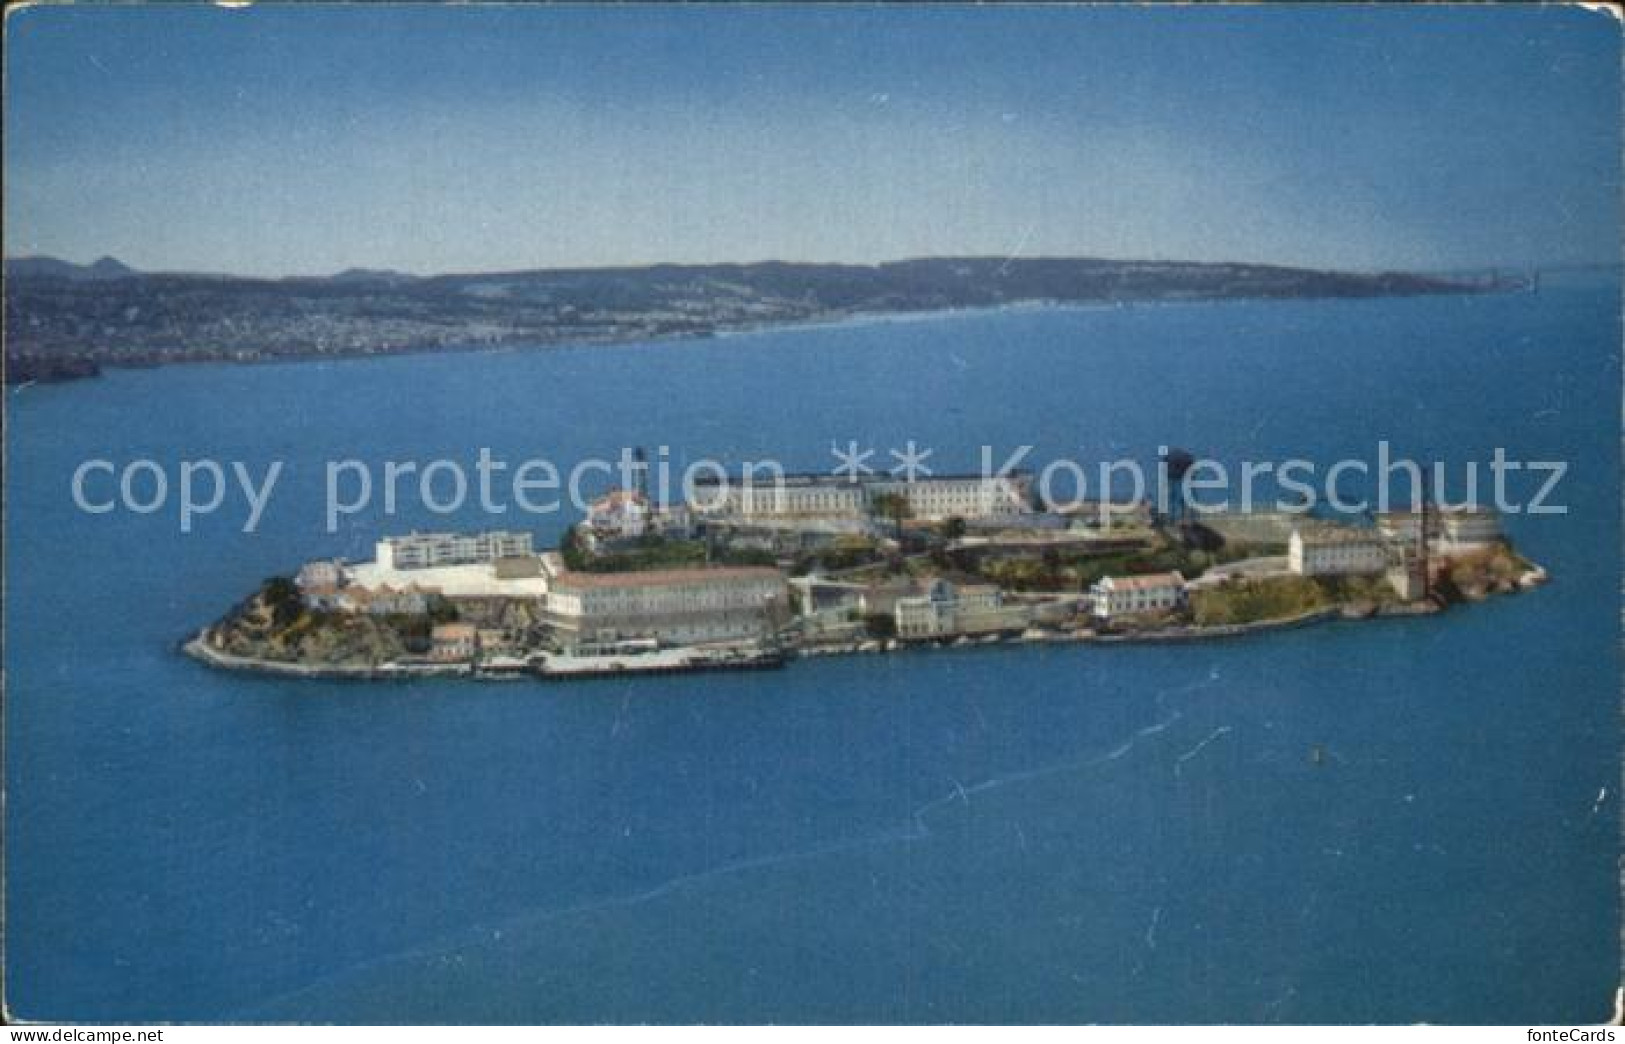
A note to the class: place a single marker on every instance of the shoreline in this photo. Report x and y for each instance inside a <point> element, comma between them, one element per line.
<point>198,648</point>
<point>724,331</point>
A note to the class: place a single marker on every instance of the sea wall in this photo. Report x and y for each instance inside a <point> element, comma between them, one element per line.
<point>199,649</point>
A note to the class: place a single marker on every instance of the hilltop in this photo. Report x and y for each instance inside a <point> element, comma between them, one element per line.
<point>53,268</point>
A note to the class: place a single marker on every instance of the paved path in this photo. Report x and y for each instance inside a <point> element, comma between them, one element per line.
<point>1274,565</point>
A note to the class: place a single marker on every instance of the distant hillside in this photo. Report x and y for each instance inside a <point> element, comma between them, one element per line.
<point>371,275</point>
<point>59,316</point>
<point>52,268</point>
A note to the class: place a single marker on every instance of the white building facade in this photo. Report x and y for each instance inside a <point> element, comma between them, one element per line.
<point>1115,597</point>
<point>780,497</point>
<point>1468,528</point>
<point>1336,552</point>
<point>319,575</point>
<point>931,498</point>
<point>946,609</point>
<point>385,600</point>
<point>674,606</point>
<point>961,496</point>
<point>423,550</point>
<point>619,515</point>
<point>453,642</point>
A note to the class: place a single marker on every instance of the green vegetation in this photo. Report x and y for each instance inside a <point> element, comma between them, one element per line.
<point>1071,569</point>
<point>647,552</point>
<point>571,550</point>
<point>275,625</point>
<point>894,506</point>
<point>1356,590</point>
<point>743,557</point>
<point>1273,598</point>
<point>880,625</point>
<point>657,552</point>
<point>1249,601</point>
<point>281,596</point>
<point>842,556</point>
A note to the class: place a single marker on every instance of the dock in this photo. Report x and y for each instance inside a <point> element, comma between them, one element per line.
<point>655,662</point>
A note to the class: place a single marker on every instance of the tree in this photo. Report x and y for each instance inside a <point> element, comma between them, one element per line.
<point>954,528</point>
<point>894,506</point>
<point>1050,571</point>
<point>880,625</point>
<point>281,596</point>
<point>571,551</point>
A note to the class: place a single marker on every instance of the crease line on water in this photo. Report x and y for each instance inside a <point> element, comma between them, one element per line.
<point>916,829</point>
<point>1217,733</point>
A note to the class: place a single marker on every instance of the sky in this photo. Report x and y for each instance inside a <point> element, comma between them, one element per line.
<point>278,140</point>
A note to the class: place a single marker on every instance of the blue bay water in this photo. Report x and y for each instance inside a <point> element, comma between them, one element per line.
<point>1013,834</point>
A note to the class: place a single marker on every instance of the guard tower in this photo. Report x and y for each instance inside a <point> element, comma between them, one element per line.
<point>640,473</point>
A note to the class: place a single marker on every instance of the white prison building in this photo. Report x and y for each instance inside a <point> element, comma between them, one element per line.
<point>675,606</point>
<point>960,496</point>
<point>423,550</point>
<point>1336,551</point>
<point>767,496</point>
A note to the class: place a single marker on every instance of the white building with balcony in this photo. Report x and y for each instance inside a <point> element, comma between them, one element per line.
<point>1115,597</point>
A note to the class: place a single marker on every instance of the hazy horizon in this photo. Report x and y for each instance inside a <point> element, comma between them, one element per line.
<point>304,141</point>
<point>749,262</point>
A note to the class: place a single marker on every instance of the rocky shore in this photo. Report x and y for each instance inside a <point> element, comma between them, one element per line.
<point>203,646</point>
<point>278,631</point>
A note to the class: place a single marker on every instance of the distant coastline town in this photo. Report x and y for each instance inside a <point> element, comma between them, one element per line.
<point>65,320</point>
<point>743,576</point>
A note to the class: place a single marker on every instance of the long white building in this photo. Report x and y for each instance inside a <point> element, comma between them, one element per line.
<point>1451,528</point>
<point>770,497</point>
<point>671,606</point>
<point>423,550</point>
<point>960,496</point>
<point>1336,551</point>
<point>932,498</point>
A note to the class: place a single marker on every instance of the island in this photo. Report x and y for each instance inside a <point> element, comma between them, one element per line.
<point>749,576</point>
<point>64,320</point>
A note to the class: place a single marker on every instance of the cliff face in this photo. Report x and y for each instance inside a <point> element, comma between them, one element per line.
<point>1497,569</point>
<point>271,626</point>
